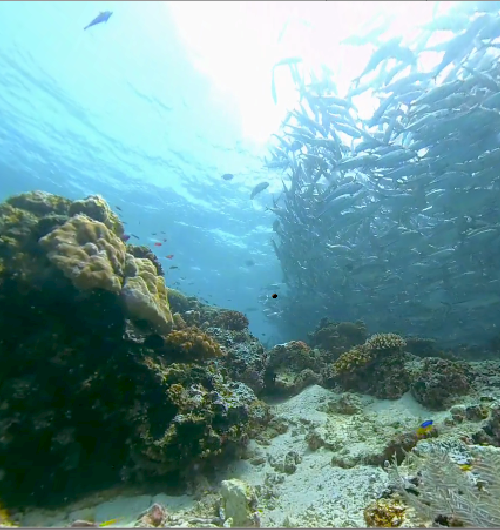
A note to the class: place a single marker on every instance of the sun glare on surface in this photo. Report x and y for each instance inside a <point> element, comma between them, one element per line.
<point>237,44</point>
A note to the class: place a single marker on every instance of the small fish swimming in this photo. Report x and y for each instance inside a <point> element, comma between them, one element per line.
<point>157,244</point>
<point>125,237</point>
<point>133,235</point>
<point>173,267</point>
<point>261,186</point>
<point>228,176</point>
<point>169,256</point>
<point>425,428</point>
<point>110,522</point>
<point>103,16</point>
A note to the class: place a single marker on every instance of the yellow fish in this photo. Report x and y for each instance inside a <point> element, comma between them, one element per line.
<point>425,428</point>
<point>111,521</point>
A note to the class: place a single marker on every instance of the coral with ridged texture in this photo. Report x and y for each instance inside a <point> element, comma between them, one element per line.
<point>192,344</point>
<point>88,253</point>
<point>145,294</point>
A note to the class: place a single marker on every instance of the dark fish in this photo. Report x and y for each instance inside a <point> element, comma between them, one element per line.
<point>133,235</point>
<point>173,267</point>
<point>125,237</point>
<point>275,295</point>
<point>228,176</point>
<point>249,262</point>
<point>118,208</point>
<point>261,186</point>
<point>103,16</point>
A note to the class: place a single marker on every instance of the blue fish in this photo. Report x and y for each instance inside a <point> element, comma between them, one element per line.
<point>103,16</point>
<point>425,428</point>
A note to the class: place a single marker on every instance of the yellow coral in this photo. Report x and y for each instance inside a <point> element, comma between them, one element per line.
<point>98,209</point>
<point>351,360</point>
<point>40,203</point>
<point>88,253</point>
<point>193,343</point>
<point>386,513</point>
<point>145,295</point>
<point>179,322</point>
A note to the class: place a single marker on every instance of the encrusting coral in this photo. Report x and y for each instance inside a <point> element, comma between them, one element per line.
<point>192,344</point>
<point>88,253</point>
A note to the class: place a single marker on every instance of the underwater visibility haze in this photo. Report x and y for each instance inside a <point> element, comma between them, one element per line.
<point>249,264</point>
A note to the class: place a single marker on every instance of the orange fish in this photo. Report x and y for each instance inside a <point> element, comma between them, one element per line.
<point>157,244</point>
<point>170,256</point>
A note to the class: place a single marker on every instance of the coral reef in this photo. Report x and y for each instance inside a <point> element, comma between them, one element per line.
<point>439,381</point>
<point>337,337</point>
<point>376,367</point>
<point>45,238</point>
<point>291,366</point>
<point>145,252</point>
<point>226,319</point>
<point>191,344</point>
<point>88,253</point>
<point>385,513</point>
<point>490,432</point>
<point>89,397</point>
<point>178,302</point>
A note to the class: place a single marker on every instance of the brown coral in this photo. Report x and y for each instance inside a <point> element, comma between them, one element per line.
<point>376,367</point>
<point>229,319</point>
<point>439,381</point>
<point>192,344</point>
<point>386,513</point>
<point>338,337</point>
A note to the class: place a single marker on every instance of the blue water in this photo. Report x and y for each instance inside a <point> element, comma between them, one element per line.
<point>121,111</point>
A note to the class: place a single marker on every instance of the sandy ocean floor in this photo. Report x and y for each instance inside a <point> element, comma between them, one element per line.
<point>296,485</point>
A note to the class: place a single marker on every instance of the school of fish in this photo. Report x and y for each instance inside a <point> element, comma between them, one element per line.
<point>395,219</point>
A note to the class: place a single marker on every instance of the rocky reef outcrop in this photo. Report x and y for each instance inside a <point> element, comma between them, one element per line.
<point>97,387</point>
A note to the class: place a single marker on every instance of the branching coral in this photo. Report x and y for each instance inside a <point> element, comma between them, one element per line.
<point>353,360</point>
<point>385,341</point>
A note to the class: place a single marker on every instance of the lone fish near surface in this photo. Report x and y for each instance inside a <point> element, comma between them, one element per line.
<point>261,186</point>
<point>103,16</point>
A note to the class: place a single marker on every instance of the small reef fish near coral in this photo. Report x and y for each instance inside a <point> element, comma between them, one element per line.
<point>124,395</point>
